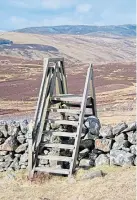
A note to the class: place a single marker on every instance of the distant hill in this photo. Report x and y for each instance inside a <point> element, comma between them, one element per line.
<point>120,30</point>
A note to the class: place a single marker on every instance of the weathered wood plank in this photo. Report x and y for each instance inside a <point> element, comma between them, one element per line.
<point>52,170</point>
<point>57,158</point>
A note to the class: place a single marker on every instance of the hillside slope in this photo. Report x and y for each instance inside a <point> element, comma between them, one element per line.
<point>75,48</point>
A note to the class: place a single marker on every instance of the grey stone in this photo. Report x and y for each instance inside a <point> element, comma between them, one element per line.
<point>106,132</point>
<point>24,125</point>
<point>89,136</point>
<point>92,157</point>
<point>84,163</point>
<point>21,139</point>
<point>102,160</point>
<point>17,155</point>
<point>103,144</point>
<point>120,144</point>
<point>2,165</point>
<point>15,164</point>
<point>133,149</point>
<point>132,137</point>
<point>8,161</point>
<point>1,158</point>
<point>24,158</point>
<point>131,127</point>
<point>119,128</point>
<point>120,138</point>
<point>89,144</point>
<point>21,148</point>
<point>3,153</point>
<point>3,129</point>
<point>23,166</point>
<point>13,128</point>
<point>135,161</point>
<point>84,153</point>
<point>126,149</point>
<point>46,152</point>
<point>93,125</point>
<point>92,174</point>
<point>46,137</point>
<point>10,144</point>
<point>2,140</point>
<point>121,158</point>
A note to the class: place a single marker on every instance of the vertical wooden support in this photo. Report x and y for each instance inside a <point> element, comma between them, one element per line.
<point>81,119</point>
<point>92,88</point>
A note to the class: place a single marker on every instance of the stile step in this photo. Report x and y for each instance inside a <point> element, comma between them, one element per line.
<point>52,170</point>
<point>63,122</point>
<point>58,145</point>
<point>57,158</point>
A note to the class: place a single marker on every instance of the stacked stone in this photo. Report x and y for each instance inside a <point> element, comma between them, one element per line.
<point>108,146</point>
<point>13,145</point>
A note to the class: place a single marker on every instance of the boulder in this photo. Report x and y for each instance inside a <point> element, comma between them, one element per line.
<point>126,149</point>
<point>92,174</point>
<point>103,144</point>
<point>102,160</point>
<point>131,127</point>
<point>121,158</point>
<point>93,125</point>
<point>21,148</point>
<point>106,132</point>
<point>119,128</point>
<point>132,137</point>
<point>133,149</point>
<point>10,144</point>
<point>3,129</point>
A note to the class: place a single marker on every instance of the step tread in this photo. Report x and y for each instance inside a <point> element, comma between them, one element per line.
<point>52,170</point>
<point>64,134</point>
<point>70,98</point>
<point>63,122</point>
<point>58,145</point>
<point>57,158</point>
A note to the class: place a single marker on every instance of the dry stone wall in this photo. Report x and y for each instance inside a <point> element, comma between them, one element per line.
<point>99,145</point>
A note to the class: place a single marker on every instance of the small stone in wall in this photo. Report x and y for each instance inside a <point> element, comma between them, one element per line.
<point>3,129</point>
<point>21,139</point>
<point>87,144</point>
<point>106,132</point>
<point>24,158</point>
<point>24,125</point>
<point>21,148</point>
<point>119,128</point>
<point>120,144</point>
<point>102,160</point>
<point>2,140</point>
<point>103,144</point>
<point>135,161</point>
<point>84,163</point>
<point>92,157</point>
<point>132,137</point>
<point>93,125</point>
<point>131,127</point>
<point>15,164</point>
<point>121,158</point>
<point>10,144</point>
<point>13,128</point>
<point>1,158</point>
<point>3,153</point>
<point>133,149</point>
<point>83,153</point>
